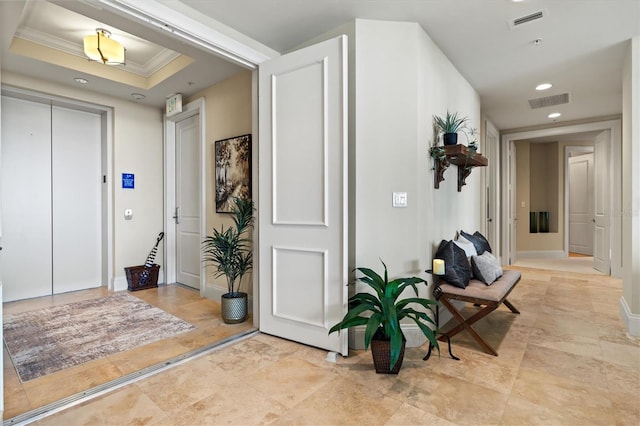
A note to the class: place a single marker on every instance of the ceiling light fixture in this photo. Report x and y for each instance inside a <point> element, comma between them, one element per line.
<point>81,80</point>
<point>138,96</point>
<point>554,115</point>
<point>102,48</point>
<point>544,86</point>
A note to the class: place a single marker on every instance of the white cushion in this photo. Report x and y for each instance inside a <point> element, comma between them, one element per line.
<point>467,246</point>
<point>486,267</point>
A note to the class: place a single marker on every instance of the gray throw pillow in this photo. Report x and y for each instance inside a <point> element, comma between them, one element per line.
<point>486,267</point>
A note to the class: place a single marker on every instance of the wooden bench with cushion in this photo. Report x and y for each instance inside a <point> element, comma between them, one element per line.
<point>489,297</point>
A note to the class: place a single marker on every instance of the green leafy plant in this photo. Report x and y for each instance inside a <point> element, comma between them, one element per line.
<point>230,249</point>
<point>386,310</point>
<point>452,123</point>
<point>472,141</point>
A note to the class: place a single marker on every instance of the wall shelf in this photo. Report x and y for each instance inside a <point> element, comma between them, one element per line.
<point>461,157</point>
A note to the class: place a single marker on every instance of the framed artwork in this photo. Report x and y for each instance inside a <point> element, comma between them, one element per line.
<point>233,171</point>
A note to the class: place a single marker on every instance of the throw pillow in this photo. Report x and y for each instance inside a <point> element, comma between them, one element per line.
<point>486,267</point>
<point>457,270</point>
<point>479,241</point>
<point>466,245</point>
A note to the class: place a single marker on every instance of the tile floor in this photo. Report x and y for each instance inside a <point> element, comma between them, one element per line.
<point>179,301</point>
<point>565,360</point>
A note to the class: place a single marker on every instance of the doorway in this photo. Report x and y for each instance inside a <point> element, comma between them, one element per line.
<point>185,214</point>
<point>607,144</point>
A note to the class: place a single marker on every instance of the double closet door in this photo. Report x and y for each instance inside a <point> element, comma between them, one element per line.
<point>51,199</point>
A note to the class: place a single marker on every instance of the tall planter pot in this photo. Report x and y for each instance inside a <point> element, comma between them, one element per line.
<point>381,353</point>
<point>234,309</point>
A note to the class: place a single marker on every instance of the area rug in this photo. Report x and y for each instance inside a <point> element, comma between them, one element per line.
<point>47,340</point>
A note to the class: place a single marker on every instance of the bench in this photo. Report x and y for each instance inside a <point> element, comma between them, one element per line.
<point>489,297</point>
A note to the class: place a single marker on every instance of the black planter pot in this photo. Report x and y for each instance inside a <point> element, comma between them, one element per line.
<point>381,353</point>
<point>234,307</point>
<point>450,138</point>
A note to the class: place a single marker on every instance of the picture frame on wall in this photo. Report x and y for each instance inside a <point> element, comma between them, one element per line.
<point>233,171</point>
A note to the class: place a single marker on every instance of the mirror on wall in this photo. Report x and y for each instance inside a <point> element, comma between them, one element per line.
<point>543,187</point>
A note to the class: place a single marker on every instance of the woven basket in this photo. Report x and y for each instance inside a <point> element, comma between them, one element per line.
<point>135,272</point>
<point>381,353</point>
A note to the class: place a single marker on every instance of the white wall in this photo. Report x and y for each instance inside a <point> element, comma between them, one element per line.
<point>137,148</point>
<point>630,302</point>
<point>401,80</point>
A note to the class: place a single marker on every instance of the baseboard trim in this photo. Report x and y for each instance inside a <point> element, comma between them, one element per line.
<point>541,254</point>
<point>631,320</point>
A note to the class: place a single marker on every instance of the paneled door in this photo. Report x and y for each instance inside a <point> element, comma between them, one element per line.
<point>581,204</point>
<point>302,204</point>
<point>188,239</point>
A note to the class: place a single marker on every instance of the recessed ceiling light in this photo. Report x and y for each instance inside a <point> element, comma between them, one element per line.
<point>517,1</point>
<point>81,80</point>
<point>554,115</point>
<point>544,86</point>
<point>138,96</point>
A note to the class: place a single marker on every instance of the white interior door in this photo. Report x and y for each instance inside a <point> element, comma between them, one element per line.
<point>77,199</point>
<point>601,255</point>
<point>581,204</point>
<point>188,242</point>
<point>302,206</point>
<point>26,199</point>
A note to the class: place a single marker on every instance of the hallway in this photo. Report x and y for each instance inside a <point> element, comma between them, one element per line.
<point>565,360</point>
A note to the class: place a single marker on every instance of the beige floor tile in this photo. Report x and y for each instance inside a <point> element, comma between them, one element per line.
<point>290,380</point>
<point>409,415</point>
<point>128,406</point>
<point>579,368</point>
<point>559,399</point>
<point>341,402</point>
<point>235,405</point>
<point>456,400</point>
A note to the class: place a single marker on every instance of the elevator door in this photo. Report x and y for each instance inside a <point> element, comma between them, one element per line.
<point>50,174</point>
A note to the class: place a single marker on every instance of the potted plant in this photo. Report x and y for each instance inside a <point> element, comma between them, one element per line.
<point>385,311</point>
<point>230,252</point>
<point>449,127</point>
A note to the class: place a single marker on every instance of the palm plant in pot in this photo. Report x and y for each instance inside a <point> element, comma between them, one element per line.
<point>382,312</point>
<point>231,254</point>
<point>449,126</point>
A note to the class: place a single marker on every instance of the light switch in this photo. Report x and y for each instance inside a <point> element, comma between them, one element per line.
<point>522,204</point>
<point>399,199</point>
<point>128,214</point>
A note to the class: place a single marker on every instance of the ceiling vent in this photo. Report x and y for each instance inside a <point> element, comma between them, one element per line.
<point>528,18</point>
<point>548,101</point>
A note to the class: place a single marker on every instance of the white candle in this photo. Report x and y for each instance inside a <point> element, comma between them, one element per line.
<point>438,266</point>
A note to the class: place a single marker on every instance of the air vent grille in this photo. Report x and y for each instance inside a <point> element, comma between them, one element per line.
<point>548,101</point>
<point>528,18</point>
